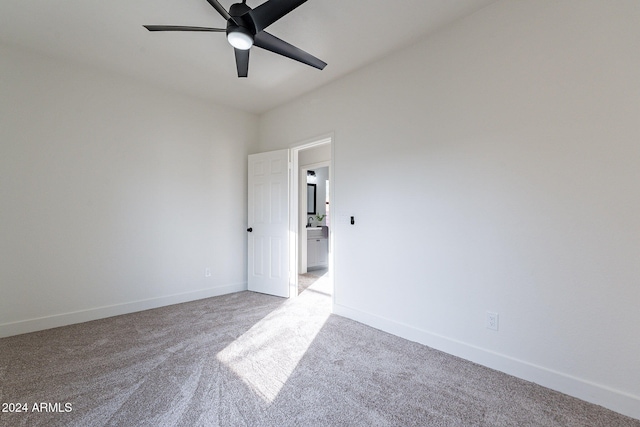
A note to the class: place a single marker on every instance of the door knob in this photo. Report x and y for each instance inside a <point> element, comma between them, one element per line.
<point>250,229</point>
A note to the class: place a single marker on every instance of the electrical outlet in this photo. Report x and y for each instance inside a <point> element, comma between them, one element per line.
<point>207,272</point>
<point>492,320</point>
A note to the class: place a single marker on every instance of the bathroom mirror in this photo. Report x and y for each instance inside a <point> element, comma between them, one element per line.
<point>311,199</point>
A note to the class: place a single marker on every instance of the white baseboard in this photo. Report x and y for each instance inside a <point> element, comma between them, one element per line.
<point>598,394</point>
<point>64,319</point>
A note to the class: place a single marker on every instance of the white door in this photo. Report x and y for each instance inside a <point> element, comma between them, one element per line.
<point>268,222</point>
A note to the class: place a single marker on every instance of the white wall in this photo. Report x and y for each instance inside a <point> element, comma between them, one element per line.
<point>114,196</point>
<point>494,167</point>
<point>318,154</point>
<point>308,159</point>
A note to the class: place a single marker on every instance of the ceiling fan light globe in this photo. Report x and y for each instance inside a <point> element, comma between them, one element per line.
<point>239,39</point>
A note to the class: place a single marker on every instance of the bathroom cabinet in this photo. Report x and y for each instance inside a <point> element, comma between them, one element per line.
<point>317,249</point>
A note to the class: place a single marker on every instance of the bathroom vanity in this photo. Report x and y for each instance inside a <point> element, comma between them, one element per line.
<point>317,248</point>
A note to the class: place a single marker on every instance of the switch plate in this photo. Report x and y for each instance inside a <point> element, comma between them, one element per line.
<point>207,272</point>
<point>492,320</point>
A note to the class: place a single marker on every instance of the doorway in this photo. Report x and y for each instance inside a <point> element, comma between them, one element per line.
<point>312,215</point>
<point>315,215</point>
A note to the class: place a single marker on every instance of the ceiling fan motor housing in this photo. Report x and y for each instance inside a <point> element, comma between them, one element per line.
<point>240,31</point>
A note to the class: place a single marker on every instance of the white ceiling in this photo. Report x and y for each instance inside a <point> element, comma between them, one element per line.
<point>109,35</point>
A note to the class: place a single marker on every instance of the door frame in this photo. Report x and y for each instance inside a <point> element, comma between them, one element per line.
<point>294,209</point>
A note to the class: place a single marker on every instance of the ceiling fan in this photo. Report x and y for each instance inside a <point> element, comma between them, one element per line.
<point>245,28</point>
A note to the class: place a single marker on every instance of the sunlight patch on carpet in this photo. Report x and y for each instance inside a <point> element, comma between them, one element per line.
<point>267,354</point>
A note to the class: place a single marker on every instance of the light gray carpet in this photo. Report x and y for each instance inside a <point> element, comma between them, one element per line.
<point>309,278</point>
<point>253,360</point>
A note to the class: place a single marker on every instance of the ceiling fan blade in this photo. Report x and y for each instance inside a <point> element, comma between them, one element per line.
<point>269,12</point>
<point>221,10</point>
<point>242,62</point>
<point>182,28</point>
<point>271,43</point>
